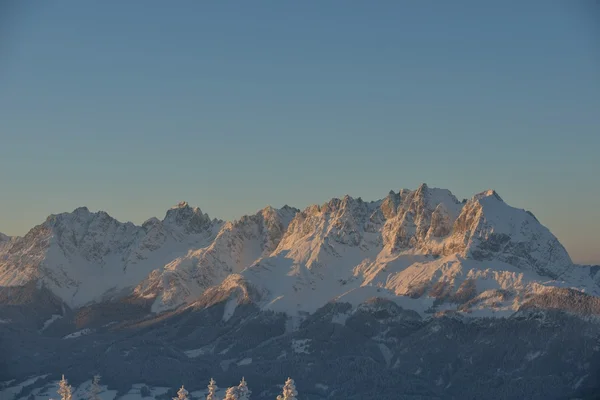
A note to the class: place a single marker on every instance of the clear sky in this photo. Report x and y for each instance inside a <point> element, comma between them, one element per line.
<point>132,106</point>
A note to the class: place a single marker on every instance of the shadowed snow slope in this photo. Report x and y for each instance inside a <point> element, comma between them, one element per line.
<point>424,249</point>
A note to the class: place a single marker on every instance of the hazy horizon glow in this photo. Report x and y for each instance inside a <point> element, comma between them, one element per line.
<point>131,107</point>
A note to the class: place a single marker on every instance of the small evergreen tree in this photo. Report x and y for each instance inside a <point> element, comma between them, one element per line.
<point>289,391</point>
<point>212,389</point>
<point>65,391</point>
<point>182,394</point>
<point>95,389</point>
<point>231,394</point>
<point>243,391</point>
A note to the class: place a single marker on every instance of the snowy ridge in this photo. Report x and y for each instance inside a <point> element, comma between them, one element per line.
<point>424,249</point>
<point>237,245</point>
<point>83,256</point>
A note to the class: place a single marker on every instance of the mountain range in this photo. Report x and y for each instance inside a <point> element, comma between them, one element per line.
<point>411,261</point>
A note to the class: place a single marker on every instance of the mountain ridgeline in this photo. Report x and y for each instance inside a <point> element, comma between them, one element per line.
<point>402,245</point>
<point>417,290</point>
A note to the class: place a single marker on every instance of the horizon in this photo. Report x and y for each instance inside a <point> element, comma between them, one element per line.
<point>131,108</point>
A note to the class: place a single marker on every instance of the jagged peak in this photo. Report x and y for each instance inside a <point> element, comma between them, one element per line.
<point>79,214</point>
<point>333,202</point>
<point>193,219</point>
<point>266,213</point>
<point>183,208</point>
<point>490,193</point>
<point>429,198</point>
<point>426,191</point>
<point>392,196</point>
<point>269,211</point>
<point>422,188</point>
<point>181,204</point>
<point>151,222</point>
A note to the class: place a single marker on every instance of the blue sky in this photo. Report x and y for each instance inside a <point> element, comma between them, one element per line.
<point>130,107</point>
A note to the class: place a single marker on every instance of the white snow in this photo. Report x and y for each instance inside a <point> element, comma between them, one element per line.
<point>201,351</point>
<point>9,392</point>
<point>80,392</point>
<point>533,355</point>
<point>386,353</point>
<point>77,334</point>
<point>580,381</point>
<point>245,361</point>
<point>96,256</point>
<point>230,307</point>
<point>327,254</point>
<point>49,322</point>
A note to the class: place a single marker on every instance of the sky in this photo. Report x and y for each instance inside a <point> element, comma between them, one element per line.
<point>131,107</point>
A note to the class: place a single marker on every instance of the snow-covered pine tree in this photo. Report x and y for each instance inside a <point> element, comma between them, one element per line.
<point>231,393</point>
<point>243,391</point>
<point>212,389</point>
<point>94,391</point>
<point>289,391</point>
<point>64,389</point>
<point>182,394</point>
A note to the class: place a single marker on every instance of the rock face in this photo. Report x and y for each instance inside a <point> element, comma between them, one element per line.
<point>421,217</point>
<point>488,229</point>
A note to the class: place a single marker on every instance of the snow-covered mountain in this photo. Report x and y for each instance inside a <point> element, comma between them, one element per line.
<point>83,256</point>
<point>386,292</point>
<point>424,249</point>
<point>238,244</point>
<point>421,248</point>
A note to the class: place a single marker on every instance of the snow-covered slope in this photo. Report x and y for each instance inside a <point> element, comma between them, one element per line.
<point>238,245</point>
<point>422,248</point>
<point>423,245</point>
<point>83,256</point>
